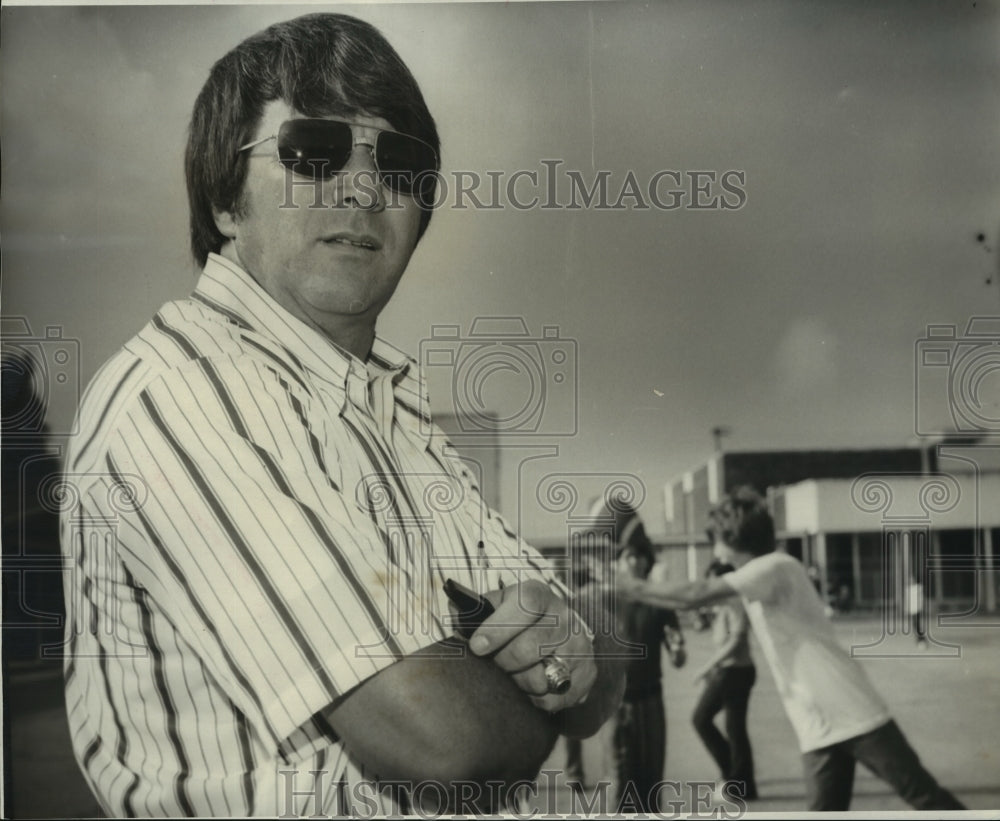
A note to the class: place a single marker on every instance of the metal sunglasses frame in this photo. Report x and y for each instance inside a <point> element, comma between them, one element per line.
<point>355,141</point>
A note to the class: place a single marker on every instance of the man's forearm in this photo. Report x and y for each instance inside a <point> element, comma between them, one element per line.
<point>443,717</point>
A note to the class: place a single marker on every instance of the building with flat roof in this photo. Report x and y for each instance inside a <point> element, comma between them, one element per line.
<point>866,522</point>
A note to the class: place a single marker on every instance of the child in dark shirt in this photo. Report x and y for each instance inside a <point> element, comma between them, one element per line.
<point>639,741</point>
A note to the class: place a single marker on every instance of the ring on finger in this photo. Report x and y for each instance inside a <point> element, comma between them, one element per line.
<point>557,674</point>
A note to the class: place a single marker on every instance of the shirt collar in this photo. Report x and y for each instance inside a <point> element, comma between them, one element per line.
<point>233,292</point>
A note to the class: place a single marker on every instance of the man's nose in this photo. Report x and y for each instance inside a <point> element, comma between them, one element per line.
<point>358,184</point>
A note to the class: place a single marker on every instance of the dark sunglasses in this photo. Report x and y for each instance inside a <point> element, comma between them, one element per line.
<point>318,149</point>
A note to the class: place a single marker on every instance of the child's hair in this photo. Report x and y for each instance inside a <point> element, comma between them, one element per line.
<point>742,521</point>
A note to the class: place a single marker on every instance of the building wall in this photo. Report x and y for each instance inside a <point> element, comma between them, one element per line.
<point>820,521</point>
<point>693,493</point>
<point>771,468</point>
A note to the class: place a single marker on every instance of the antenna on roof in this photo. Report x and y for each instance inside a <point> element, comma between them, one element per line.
<point>718,432</point>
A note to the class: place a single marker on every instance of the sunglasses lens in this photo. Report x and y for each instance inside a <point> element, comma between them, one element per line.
<point>316,149</point>
<point>406,164</point>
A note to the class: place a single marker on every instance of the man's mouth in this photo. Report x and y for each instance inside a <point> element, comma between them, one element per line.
<point>352,240</point>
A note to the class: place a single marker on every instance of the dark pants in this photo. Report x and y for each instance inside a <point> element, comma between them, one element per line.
<point>886,752</point>
<point>728,688</point>
<point>639,748</point>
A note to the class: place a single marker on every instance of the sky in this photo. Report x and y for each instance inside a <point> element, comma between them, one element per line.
<point>861,142</point>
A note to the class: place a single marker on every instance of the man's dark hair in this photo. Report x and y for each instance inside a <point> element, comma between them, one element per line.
<point>742,521</point>
<point>321,65</point>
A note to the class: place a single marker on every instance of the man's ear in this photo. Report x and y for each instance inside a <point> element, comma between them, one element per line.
<point>225,222</point>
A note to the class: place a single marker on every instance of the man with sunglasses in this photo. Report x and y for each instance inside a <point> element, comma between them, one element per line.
<point>267,517</point>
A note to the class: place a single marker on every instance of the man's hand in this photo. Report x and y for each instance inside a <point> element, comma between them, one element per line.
<point>529,624</point>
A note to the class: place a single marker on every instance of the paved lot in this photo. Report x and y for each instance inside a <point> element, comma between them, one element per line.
<point>947,706</point>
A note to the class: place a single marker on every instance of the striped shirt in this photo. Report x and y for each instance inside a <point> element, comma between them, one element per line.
<point>260,522</point>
